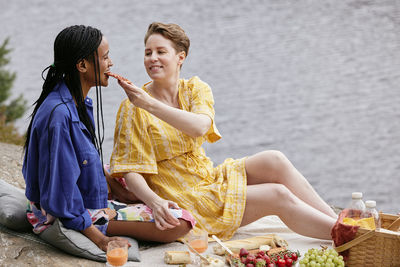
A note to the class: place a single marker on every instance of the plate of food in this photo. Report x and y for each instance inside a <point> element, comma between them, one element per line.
<point>264,257</point>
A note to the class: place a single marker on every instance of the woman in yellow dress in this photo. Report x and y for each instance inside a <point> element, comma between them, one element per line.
<point>157,150</point>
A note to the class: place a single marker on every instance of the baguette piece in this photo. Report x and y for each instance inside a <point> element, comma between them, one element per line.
<point>177,257</point>
<point>255,242</point>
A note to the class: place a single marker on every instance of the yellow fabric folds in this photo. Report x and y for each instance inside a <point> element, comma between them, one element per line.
<point>175,165</point>
<point>366,223</point>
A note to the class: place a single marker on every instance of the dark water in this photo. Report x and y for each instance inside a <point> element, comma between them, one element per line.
<point>318,80</point>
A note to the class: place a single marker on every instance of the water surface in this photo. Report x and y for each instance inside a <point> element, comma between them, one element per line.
<point>317,80</point>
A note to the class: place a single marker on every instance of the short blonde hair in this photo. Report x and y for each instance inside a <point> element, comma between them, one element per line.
<point>172,32</point>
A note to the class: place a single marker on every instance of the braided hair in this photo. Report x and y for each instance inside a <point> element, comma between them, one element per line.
<point>72,44</point>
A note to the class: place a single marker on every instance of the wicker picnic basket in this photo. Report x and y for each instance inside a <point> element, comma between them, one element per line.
<point>375,248</point>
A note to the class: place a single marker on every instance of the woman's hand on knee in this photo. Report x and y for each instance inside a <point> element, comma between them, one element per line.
<point>163,218</point>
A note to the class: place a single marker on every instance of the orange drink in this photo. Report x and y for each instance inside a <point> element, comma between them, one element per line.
<point>200,245</point>
<point>197,241</point>
<point>117,253</point>
<point>117,257</point>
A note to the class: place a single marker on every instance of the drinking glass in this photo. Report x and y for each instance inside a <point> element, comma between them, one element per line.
<point>198,240</point>
<point>117,253</point>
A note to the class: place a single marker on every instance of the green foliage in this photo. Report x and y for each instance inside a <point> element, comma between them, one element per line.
<point>16,108</point>
<point>9,134</point>
<point>6,78</point>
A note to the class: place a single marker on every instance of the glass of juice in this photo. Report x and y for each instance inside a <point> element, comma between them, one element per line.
<point>117,253</point>
<point>198,240</point>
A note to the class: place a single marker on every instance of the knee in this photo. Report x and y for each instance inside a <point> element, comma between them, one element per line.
<point>276,157</point>
<point>277,161</point>
<point>183,228</point>
<point>179,231</point>
<point>283,196</point>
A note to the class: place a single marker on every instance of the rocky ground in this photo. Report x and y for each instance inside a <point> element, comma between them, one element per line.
<point>17,251</point>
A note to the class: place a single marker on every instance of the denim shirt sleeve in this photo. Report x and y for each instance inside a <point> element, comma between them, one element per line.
<point>60,195</point>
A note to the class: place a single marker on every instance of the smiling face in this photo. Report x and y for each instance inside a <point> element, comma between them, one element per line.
<point>104,66</point>
<point>104,61</point>
<point>161,59</point>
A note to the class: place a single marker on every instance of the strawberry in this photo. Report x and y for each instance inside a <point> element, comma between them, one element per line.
<point>250,259</point>
<point>261,253</point>
<point>267,259</point>
<point>243,252</point>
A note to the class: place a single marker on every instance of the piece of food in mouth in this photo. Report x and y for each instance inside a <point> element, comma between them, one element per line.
<point>118,77</point>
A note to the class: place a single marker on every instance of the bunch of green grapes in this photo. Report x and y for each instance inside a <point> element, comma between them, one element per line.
<point>321,257</point>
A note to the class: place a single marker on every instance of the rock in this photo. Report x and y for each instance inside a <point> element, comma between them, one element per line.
<point>11,159</point>
<point>18,251</point>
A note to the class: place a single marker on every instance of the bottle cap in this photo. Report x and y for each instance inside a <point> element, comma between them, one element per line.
<point>356,195</point>
<point>370,203</point>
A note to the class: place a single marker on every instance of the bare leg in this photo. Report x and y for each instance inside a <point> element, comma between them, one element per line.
<point>147,230</point>
<point>273,167</point>
<point>276,199</point>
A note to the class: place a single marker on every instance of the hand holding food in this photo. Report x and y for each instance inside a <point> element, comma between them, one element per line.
<point>118,77</point>
<point>136,95</point>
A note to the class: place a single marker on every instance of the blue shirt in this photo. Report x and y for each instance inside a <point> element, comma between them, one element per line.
<point>62,168</point>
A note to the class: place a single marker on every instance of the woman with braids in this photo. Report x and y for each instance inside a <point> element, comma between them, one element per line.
<point>157,150</point>
<point>62,165</point>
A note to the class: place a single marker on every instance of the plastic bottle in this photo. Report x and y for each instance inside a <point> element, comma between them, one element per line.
<point>370,211</point>
<point>357,206</point>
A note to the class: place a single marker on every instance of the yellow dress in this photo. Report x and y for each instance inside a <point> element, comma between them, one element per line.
<point>175,165</point>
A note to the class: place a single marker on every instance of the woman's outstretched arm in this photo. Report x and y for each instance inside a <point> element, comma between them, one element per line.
<point>192,124</point>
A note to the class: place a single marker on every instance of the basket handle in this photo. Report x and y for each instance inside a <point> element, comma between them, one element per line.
<point>395,225</point>
<point>355,241</point>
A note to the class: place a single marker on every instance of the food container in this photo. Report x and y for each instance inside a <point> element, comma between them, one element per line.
<point>375,247</point>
